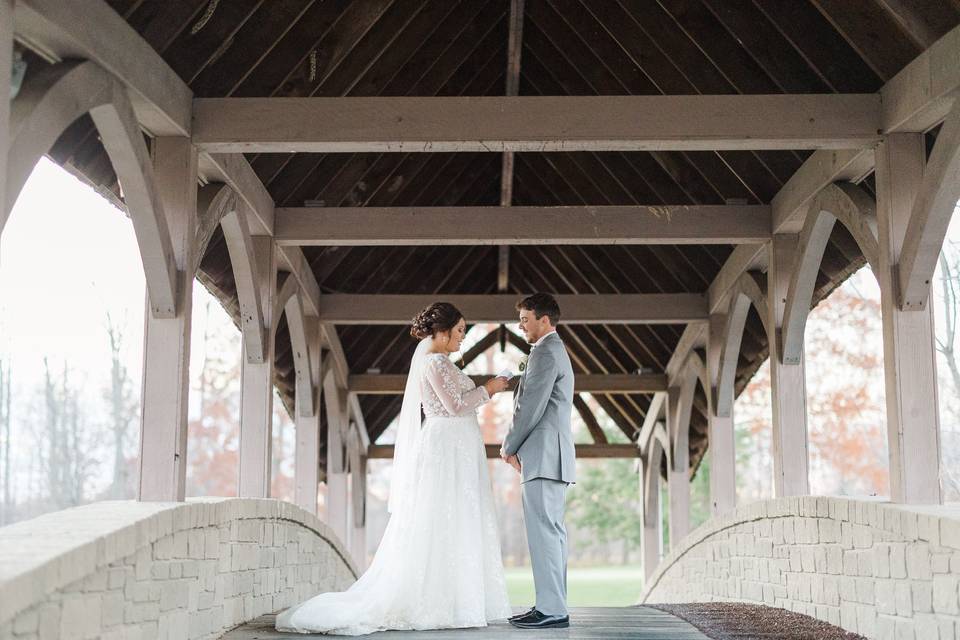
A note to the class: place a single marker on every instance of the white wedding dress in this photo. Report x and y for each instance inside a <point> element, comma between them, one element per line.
<point>438,565</point>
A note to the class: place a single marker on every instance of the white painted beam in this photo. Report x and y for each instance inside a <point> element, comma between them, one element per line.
<point>731,336</point>
<point>855,209</point>
<point>909,354</point>
<point>6,64</point>
<point>337,487</point>
<point>256,380</point>
<point>239,243</point>
<point>583,451</point>
<point>722,452</point>
<point>393,384</point>
<point>50,100</point>
<point>652,308</point>
<point>234,170</point>
<point>121,137</point>
<point>923,92</point>
<point>393,226</point>
<point>930,216</point>
<point>92,30</point>
<point>788,386</point>
<point>166,341</point>
<point>822,168</point>
<point>306,475</point>
<point>651,538</point>
<point>678,478</point>
<point>536,123</point>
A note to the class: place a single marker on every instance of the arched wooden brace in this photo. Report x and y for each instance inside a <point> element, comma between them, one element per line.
<point>236,233</point>
<point>659,446</point>
<point>930,216</point>
<point>693,371</point>
<point>358,480</point>
<point>652,538</point>
<point>850,205</point>
<point>214,201</point>
<point>51,100</point>
<point>745,292</point>
<point>290,302</point>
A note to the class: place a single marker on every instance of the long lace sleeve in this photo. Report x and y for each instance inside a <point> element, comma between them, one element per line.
<point>445,380</point>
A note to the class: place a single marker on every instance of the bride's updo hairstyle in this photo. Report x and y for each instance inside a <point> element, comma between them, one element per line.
<point>439,316</point>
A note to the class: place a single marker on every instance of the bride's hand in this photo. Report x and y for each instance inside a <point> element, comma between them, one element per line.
<point>496,385</point>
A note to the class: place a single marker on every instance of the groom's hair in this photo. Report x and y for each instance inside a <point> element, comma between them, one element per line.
<point>542,304</point>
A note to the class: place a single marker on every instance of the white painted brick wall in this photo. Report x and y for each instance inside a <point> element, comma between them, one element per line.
<point>175,571</point>
<point>879,569</point>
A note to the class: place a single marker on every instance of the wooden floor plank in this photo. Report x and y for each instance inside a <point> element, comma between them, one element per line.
<point>586,623</point>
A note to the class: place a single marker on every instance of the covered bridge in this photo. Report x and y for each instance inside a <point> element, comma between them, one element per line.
<point>673,170</point>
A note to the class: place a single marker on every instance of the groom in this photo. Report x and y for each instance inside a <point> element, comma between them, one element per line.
<point>540,446</point>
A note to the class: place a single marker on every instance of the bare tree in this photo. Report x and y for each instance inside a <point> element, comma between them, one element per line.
<point>67,445</point>
<point>122,408</point>
<point>946,345</point>
<point>6,513</point>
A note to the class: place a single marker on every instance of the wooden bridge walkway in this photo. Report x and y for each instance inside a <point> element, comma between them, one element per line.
<point>586,623</point>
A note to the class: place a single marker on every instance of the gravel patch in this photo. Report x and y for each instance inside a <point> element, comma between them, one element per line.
<point>737,621</point>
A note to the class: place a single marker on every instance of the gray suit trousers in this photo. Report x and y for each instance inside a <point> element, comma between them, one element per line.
<point>543,506</point>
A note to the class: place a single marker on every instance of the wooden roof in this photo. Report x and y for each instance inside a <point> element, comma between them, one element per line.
<point>569,47</point>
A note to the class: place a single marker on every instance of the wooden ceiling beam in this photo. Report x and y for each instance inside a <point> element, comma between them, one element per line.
<point>392,309</point>
<point>393,384</point>
<point>536,123</point>
<point>372,226</point>
<point>59,30</point>
<point>609,450</point>
<point>915,100</point>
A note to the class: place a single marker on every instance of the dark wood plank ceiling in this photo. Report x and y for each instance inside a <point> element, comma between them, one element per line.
<point>570,47</point>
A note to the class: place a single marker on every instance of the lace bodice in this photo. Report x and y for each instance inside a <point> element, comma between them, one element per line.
<point>447,391</point>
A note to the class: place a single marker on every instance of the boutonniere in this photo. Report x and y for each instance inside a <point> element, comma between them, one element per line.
<point>523,363</point>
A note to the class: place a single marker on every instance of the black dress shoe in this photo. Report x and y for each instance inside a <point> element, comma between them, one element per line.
<point>526,613</point>
<point>537,620</point>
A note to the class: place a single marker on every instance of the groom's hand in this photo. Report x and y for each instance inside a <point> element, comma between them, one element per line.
<point>514,462</point>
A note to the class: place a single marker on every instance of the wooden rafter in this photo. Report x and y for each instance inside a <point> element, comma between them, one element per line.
<point>606,450</point>
<point>653,308</point>
<point>649,224</point>
<point>536,123</point>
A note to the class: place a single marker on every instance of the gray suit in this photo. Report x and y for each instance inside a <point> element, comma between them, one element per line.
<point>542,439</point>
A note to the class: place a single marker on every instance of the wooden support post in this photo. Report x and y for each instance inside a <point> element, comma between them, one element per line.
<point>651,541</point>
<point>723,461</point>
<point>788,385</point>
<point>166,341</point>
<point>256,394</point>
<point>307,454</point>
<point>358,499</point>
<point>6,64</point>
<point>337,487</point>
<point>678,419</point>
<point>909,354</point>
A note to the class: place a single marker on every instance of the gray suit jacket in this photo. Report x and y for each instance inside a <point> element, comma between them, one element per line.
<point>541,435</point>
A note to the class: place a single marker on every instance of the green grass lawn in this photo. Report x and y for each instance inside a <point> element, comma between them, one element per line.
<point>586,586</point>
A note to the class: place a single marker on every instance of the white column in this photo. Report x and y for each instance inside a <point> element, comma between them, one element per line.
<point>909,354</point>
<point>337,487</point>
<point>358,500</point>
<point>306,475</point>
<point>723,461</point>
<point>256,392</point>
<point>6,62</point>
<point>788,385</point>
<point>651,541</point>
<point>166,342</point>
<point>678,420</point>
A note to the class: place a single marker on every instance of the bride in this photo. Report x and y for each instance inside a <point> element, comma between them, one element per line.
<point>438,565</point>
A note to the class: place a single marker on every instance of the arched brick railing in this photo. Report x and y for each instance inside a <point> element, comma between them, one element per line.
<point>124,569</point>
<point>875,568</point>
